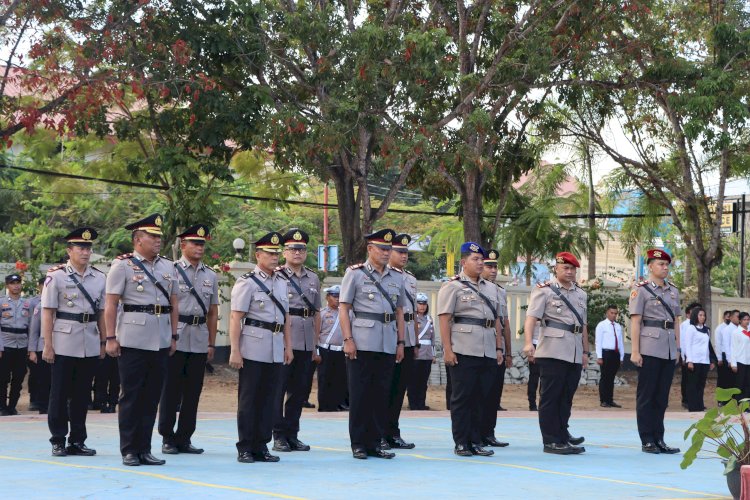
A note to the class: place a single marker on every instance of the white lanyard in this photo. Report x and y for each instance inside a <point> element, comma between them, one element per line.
<point>333,329</point>
<point>426,327</point>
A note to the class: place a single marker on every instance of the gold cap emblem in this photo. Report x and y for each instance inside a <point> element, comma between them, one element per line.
<point>201,231</point>
<point>388,237</point>
<point>297,236</point>
<point>493,255</point>
<point>560,260</point>
<point>157,221</point>
<point>404,240</point>
<point>474,247</point>
<point>86,235</point>
<point>657,253</point>
<point>275,239</point>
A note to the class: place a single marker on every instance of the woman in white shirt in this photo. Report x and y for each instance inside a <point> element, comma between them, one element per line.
<point>699,356</point>
<point>739,356</point>
<point>424,357</point>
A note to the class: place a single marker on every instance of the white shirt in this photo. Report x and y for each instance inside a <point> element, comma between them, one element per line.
<point>727,336</point>
<point>740,347</point>
<point>605,337</point>
<point>694,344</point>
<point>719,333</point>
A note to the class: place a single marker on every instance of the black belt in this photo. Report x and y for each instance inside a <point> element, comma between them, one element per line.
<point>192,320</point>
<point>383,318</point>
<point>7,329</point>
<point>151,309</point>
<point>408,317</point>
<point>564,326</point>
<point>667,325</point>
<point>81,318</point>
<point>487,323</point>
<point>274,327</point>
<point>301,311</point>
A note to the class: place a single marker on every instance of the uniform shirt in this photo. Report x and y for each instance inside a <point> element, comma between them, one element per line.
<point>194,338</point>
<point>740,346</point>
<point>605,334</point>
<point>15,314</point>
<point>695,344</point>
<point>140,330</point>
<point>457,298</point>
<point>719,336</point>
<point>537,333</point>
<point>364,296</point>
<point>410,285</point>
<point>72,338</point>
<point>36,339</point>
<point>303,329</point>
<point>425,337</point>
<point>328,319</point>
<point>258,343</point>
<point>656,341</point>
<point>545,305</point>
<point>727,338</point>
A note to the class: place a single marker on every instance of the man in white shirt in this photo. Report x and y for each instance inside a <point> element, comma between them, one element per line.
<point>609,355</point>
<point>725,375</point>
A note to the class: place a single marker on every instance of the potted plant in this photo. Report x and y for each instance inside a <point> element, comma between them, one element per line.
<point>723,433</point>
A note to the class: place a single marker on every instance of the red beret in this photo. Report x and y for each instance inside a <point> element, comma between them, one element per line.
<point>567,258</point>
<point>656,253</point>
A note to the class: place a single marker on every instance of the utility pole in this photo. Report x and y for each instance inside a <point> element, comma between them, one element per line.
<point>742,248</point>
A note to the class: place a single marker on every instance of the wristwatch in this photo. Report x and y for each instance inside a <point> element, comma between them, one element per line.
<point>401,342</point>
<point>175,337</point>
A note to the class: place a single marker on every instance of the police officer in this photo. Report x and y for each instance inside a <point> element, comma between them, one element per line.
<point>533,383</point>
<point>14,323</point>
<point>304,312</point>
<point>424,357</point>
<point>655,330</point>
<point>403,372</point>
<point>332,370</point>
<point>74,339</point>
<point>198,292</point>
<point>373,341</point>
<point>261,344</point>
<point>143,285</point>
<point>562,352</point>
<point>468,311</point>
<point>39,387</point>
<point>491,406</point>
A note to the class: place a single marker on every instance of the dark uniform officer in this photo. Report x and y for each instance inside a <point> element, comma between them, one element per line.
<point>74,337</point>
<point>304,312</point>
<point>560,305</point>
<point>533,383</point>
<point>39,383</point>
<point>468,310</point>
<point>142,301</point>
<point>655,330</point>
<point>332,370</point>
<point>14,324</point>
<point>198,292</point>
<point>424,357</point>
<point>373,342</point>
<point>261,344</point>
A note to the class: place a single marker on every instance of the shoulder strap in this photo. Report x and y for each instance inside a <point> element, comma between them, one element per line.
<point>484,298</point>
<point>567,303</point>
<point>299,291</point>
<point>426,327</point>
<point>192,288</point>
<point>380,287</point>
<point>669,309</point>
<point>268,292</point>
<point>150,276</point>
<point>333,330</point>
<point>94,304</point>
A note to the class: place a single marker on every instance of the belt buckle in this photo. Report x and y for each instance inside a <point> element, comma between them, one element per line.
<point>277,328</point>
<point>305,312</point>
<point>85,318</point>
<point>196,320</point>
<point>665,324</point>
<point>577,329</point>
<point>157,309</point>
<point>489,323</point>
<point>387,317</point>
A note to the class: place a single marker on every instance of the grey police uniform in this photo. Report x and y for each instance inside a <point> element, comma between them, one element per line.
<point>425,338</point>
<point>410,286</point>
<point>332,368</point>
<point>36,339</point>
<point>193,331</point>
<point>39,372</point>
<point>417,387</point>
<point>15,317</point>
<point>330,338</point>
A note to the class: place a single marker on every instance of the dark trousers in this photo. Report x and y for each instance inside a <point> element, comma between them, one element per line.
<point>331,380</point>
<point>610,365</point>
<point>417,389</point>
<point>258,394</point>
<point>683,382</point>
<point>652,397</point>
<point>294,378</point>
<point>12,372</point>
<point>42,381</point>
<point>473,379</point>
<point>107,382</point>
<point>696,384</point>
<point>182,386</point>
<point>309,379</point>
<point>742,379</point>
<point>725,375</point>
<point>448,388</point>
<point>142,375</point>
<point>403,372</point>
<point>559,381</point>
<point>69,398</point>
<point>533,385</point>
<point>369,379</point>
<point>489,407</point>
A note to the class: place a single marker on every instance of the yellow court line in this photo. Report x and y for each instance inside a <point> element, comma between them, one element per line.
<point>156,476</point>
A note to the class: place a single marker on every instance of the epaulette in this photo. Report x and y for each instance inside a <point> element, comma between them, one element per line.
<point>55,268</point>
<point>165,258</point>
<point>308,269</point>
<point>642,282</point>
<point>397,269</point>
<point>357,266</point>
<point>97,270</point>
<point>124,256</point>
<point>543,285</point>
<point>455,278</point>
<point>408,272</point>
<point>247,275</point>
<point>281,271</point>
<point>501,287</point>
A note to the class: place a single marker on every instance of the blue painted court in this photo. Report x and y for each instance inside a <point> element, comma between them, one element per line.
<point>612,467</point>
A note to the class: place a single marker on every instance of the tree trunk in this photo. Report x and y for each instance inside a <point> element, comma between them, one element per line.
<point>688,278</point>
<point>353,246</point>
<point>471,200</point>
<point>529,264</point>
<point>704,289</point>
<point>592,212</point>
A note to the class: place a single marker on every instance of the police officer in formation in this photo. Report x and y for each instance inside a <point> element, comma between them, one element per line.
<point>332,371</point>
<point>198,292</point>
<point>141,316</point>
<point>39,370</point>
<point>424,357</point>
<point>74,340</point>
<point>532,386</point>
<point>260,333</point>
<point>469,312</point>
<point>563,350</point>
<point>655,331</point>
<point>373,341</point>
<point>14,324</point>
<point>303,292</point>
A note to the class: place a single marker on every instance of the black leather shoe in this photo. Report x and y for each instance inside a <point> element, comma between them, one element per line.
<point>58,450</point>
<point>169,449</point>
<point>380,453</point>
<point>190,449</point>
<point>265,456</point>
<point>614,405</point>
<point>308,404</point>
<point>533,407</point>
<point>500,408</point>
<point>650,448</point>
<point>80,449</point>
<point>359,453</point>
<point>130,459</point>
<point>575,440</point>
<point>666,449</point>
<point>343,407</point>
<point>245,457</point>
<point>478,450</point>
<point>462,450</point>
<point>42,411</point>
<point>562,449</point>
<point>149,459</point>
<point>399,444</point>
<point>384,445</point>
<point>11,410</point>
<point>33,406</point>
<point>297,445</point>
<point>492,441</point>
<point>281,444</point>
<point>605,405</point>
